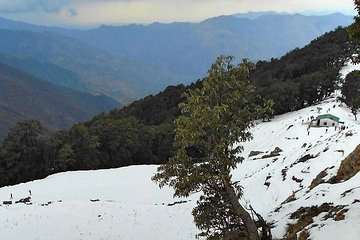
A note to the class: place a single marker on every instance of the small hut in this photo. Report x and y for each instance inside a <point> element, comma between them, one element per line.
<point>327,120</point>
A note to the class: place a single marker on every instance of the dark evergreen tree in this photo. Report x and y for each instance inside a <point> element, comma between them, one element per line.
<point>22,153</point>
<point>84,146</point>
<point>351,92</point>
<point>354,30</point>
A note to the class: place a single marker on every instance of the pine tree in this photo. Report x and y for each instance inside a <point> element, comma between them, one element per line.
<point>354,29</point>
<point>21,153</point>
<point>214,119</point>
<point>351,92</point>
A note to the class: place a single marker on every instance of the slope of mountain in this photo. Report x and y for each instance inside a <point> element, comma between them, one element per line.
<point>18,25</point>
<point>189,48</point>
<point>24,96</point>
<point>281,188</point>
<point>99,71</point>
<point>46,71</point>
<point>298,183</point>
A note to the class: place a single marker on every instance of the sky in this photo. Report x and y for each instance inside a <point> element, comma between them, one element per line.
<point>83,13</point>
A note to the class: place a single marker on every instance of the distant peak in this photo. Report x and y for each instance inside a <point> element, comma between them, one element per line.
<point>254,14</point>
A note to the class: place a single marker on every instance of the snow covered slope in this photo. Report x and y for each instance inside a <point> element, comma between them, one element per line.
<point>270,181</point>
<point>280,185</point>
<point>124,203</point>
<point>106,204</point>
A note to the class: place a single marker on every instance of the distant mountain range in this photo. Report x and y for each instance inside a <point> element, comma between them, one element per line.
<point>188,49</point>
<point>253,15</point>
<point>47,71</point>
<point>97,71</point>
<point>23,96</point>
<point>52,74</point>
<point>129,62</point>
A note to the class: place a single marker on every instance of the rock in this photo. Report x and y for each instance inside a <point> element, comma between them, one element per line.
<point>7,202</point>
<point>319,179</point>
<point>274,153</point>
<point>277,150</point>
<point>24,200</point>
<point>350,166</point>
<point>254,153</point>
<point>305,158</point>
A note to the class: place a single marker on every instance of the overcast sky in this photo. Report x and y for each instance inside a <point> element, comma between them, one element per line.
<point>97,12</point>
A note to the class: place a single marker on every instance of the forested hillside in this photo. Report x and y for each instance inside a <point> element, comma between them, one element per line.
<point>142,133</point>
<point>46,71</point>
<point>304,76</point>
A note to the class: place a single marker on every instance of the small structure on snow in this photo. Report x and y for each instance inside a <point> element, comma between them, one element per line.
<point>326,120</point>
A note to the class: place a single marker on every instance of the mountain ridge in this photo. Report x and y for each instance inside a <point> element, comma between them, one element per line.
<point>99,71</point>
<point>131,61</point>
<point>189,48</point>
<point>23,96</point>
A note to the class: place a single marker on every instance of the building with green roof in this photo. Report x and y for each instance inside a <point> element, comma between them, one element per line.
<point>327,120</point>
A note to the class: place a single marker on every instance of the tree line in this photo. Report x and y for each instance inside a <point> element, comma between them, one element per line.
<point>304,76</point>
<point>141,133</point>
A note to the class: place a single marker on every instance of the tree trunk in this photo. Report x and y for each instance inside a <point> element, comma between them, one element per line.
<point>249,223</point>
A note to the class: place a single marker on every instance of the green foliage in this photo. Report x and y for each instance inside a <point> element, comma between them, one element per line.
<point>214,215</point>
<point>304,76</point>
<point>354,29</point>
<point>141,133</point>
<point>214,118</point>
<point>351,91</point>
<point>84,146</point>
<point>21,153</point>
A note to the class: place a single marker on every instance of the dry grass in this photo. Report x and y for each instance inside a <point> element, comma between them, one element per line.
<point>350,166</point>
<point>305,217</point>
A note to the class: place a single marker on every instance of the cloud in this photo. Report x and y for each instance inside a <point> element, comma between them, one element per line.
<point>97,12</point>
<point>21,6</point>
<point>50,6</point>
<point>55,6</point>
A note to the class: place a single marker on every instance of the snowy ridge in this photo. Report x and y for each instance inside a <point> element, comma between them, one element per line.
<point>290,174</point>
<point>124,203</point>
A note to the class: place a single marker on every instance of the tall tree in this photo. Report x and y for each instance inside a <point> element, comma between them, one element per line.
<point>21,153</point>
<point>351,92</point>
<point>85,147</point>
<point>354,29</point>
<point>213,120</point>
